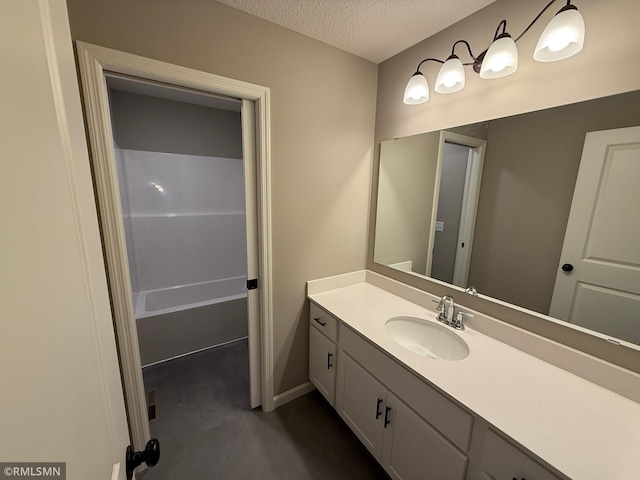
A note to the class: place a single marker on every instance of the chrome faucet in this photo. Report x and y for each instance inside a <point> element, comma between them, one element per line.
<point>447,310</point>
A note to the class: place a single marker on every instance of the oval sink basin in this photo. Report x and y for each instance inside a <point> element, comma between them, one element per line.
<point>427,338</point>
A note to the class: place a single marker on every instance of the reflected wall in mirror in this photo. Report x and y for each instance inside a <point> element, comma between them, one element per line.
<point>524,201</point>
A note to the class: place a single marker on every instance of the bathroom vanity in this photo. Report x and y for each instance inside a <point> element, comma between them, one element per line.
<point>492,413</point>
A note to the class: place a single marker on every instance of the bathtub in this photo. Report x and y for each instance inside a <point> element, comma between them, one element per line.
<point>180,320</point>
<point>185,297</point>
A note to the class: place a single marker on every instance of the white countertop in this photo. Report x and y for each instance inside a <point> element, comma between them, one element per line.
<point>582,429</point>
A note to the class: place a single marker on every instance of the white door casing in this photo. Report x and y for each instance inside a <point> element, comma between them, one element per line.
<point>602,240</point>
<point>95,62</point>
<point>62,398</point>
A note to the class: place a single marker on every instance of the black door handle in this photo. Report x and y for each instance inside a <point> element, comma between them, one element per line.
<point>329,364</point>
<point>567,267</point>
<point>386,416</point>
<point>150,455</point>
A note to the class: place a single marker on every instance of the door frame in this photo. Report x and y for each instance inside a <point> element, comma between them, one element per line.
<point>94,64</point>
<point>477,148</point>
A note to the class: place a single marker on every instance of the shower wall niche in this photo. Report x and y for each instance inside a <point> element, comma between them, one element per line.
<point>182,194</point>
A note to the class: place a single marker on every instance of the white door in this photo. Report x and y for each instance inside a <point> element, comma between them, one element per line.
<point>61,397</point>
<point>598,280</point>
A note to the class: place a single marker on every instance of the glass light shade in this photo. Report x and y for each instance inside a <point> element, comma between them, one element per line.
<point>501,59</point>
<point>450,77</point>
<point>563,37</point>
<point>417,90</point>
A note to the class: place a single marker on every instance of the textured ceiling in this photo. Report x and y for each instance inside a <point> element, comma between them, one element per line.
<point>372,29</point>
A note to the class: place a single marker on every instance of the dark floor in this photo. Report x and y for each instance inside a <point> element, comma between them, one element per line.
<point>207,430</point>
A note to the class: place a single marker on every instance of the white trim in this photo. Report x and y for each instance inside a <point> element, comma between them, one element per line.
<point>94,63</point>
<point>292,394</point>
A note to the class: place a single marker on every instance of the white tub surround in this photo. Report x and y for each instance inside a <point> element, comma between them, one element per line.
<point>185,227</point>
<point>582,430</point>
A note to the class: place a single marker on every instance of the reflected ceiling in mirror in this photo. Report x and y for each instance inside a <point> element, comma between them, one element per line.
<point>506,236</point>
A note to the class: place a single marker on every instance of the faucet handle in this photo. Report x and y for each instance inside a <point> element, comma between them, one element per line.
<point>460,314</point>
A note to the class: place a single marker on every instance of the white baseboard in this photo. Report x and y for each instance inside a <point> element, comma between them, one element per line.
<point>292,394</point>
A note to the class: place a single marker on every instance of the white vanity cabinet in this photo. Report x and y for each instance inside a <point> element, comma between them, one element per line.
<point>413,430</point>
<point>404,442</point>
<point>498,414</point>
<point>323,332</point>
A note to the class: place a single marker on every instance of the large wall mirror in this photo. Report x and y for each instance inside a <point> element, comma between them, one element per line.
<point>528,209</point>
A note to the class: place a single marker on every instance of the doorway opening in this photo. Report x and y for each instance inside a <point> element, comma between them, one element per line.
<point>458,176</point>
<point>182,193</point>
<point>97,64</point>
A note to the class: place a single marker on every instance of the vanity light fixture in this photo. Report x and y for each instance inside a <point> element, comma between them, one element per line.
<point>562,38</point>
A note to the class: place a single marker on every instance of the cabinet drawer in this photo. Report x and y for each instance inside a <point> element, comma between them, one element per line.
<point>323,321</point>
<point>501,459</point>
<point>449,419</point>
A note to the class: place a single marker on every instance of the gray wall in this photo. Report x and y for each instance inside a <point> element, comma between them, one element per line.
<point>323,104</point>
<point>405,199</point>
<point>158,125</point>
<point>529,174</point>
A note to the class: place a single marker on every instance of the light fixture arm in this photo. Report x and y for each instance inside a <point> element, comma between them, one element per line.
<point>538,17</point>
<point>503,24</point>
<point>468,48</point>
<point>427,60</point>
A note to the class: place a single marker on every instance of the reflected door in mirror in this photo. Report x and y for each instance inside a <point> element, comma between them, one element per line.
<point>602,290</point>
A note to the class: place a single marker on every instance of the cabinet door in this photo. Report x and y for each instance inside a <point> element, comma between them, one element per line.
<point>500,459</point>
<point>361,403</point>
<point>414,450</point>
<point>322,364</point>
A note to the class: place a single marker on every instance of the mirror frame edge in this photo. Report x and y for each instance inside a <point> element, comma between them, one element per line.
<point>530,321</point>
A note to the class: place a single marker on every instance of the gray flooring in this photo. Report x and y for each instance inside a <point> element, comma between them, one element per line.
<point>207,430</point>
